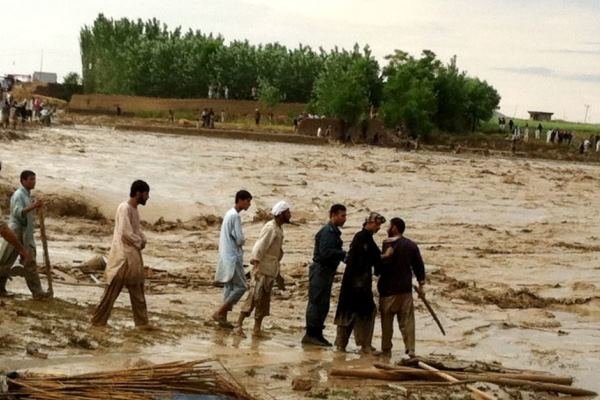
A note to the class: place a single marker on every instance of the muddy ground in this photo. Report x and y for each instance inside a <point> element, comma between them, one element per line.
<point>511,246</point>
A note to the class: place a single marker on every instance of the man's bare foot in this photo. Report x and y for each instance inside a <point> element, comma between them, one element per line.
<point>239,332</point>
<point>259,333</point>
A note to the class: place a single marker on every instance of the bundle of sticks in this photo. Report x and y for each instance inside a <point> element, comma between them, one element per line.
<point>423,373</point>
<point>145,383</point>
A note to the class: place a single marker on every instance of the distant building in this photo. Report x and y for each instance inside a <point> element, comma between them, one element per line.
<point>540,115</point>
<point>45,77</point>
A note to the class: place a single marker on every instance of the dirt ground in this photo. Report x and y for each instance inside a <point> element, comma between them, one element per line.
<point>510,247</point>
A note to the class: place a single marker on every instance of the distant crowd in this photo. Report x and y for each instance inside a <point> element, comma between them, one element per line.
<point>13,110</point>
<point>553,136</point>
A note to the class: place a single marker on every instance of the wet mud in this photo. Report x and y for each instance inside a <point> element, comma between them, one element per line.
<point>510,245</point>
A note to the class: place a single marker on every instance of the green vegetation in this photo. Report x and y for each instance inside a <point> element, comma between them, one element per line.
<point>268,94</point>
<point>123,57</point>
<point>348,84</point>
<point>421,94</point>
<point>147,59</point>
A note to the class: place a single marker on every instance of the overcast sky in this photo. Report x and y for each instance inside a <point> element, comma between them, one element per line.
<point>540,55</point>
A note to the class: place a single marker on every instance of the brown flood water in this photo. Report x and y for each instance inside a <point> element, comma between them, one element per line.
<point>511,247</point>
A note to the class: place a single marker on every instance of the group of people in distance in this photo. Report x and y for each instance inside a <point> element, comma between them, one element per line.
<point>394,264</point>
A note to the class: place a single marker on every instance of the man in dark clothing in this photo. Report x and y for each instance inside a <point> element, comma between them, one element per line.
<point>356,309</point>
<point>327,255</point>
<point>395,287</point>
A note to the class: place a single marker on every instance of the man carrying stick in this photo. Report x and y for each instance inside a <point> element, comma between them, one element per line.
<point>125,267</point>
<point>395,287</point>
<point>266,257</point>
<point>21,222</point>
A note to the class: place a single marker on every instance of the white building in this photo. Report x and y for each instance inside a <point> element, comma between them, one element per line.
<point>45,77</point>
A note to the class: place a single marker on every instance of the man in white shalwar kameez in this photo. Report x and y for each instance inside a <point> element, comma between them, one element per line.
<point>266,257</point>
<point>230,267</point>
<point>125,267</point>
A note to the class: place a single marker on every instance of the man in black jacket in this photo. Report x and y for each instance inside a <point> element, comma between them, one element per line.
<point>395,287</point>
<point>356,308</point>
<point>328,253</point>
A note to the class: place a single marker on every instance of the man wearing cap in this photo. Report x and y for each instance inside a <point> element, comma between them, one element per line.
<point>266,257</point>
<point>356,309</point>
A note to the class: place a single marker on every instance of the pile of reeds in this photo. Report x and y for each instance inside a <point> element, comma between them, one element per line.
<point>160,381</point>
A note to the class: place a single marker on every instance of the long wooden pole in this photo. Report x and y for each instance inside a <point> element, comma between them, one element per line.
<point>428,306</point>
<point>559,380</point>
<point>477,394</point>
<point>45,247</point>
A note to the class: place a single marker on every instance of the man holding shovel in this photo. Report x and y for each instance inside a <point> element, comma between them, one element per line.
<point>21,222</point>
<point>395,287</point>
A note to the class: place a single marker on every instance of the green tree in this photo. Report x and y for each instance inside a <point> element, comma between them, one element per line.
<point>72,79</point>
<point>268,94</point>
<point>408,94</point>
<point>346,85</point>
<point>482,101</point>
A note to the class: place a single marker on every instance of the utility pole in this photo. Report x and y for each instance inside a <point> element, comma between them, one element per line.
<point>42,62</point>
<point>587,108</point>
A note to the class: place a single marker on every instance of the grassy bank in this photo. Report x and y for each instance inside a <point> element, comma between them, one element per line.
<point>580,130</point>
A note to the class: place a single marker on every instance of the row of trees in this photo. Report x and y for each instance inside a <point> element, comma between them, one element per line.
<point>145,58</point>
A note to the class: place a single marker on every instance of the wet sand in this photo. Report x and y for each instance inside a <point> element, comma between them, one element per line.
<point>510,245</point>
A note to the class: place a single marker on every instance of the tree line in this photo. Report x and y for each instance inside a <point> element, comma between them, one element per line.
<point>145,58</point>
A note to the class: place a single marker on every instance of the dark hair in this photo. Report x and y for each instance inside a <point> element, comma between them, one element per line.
<point>336,209</point>
<point>138,186</point>
<point>399,224</point>
<point>26,174</point>
<point>242,195</point>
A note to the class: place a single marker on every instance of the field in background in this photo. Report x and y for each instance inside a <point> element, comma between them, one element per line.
<point>579,129</point>
<point>183,108</point>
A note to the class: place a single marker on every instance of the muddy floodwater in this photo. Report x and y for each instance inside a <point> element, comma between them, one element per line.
<point>511,247</point>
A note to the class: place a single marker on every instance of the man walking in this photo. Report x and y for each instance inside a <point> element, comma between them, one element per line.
<point>125,267</point>
<point>327,255</point>
<point>266,257</point>
<point>230,268</point>
<point>395,287</point>
<point>356,308</point>
<point>10,238</point>
<point>21,222</point>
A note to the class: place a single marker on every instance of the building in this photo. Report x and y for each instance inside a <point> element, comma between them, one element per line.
<point>540,115</point>
<point>45,77</point>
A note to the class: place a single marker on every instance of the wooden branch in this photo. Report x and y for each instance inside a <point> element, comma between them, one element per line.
<point>45,248</point>
<point>476,393</point>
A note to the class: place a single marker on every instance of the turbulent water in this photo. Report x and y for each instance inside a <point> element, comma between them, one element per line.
<point>511,245</point>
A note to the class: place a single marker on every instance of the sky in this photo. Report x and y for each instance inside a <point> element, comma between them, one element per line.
<point>541,55</point>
